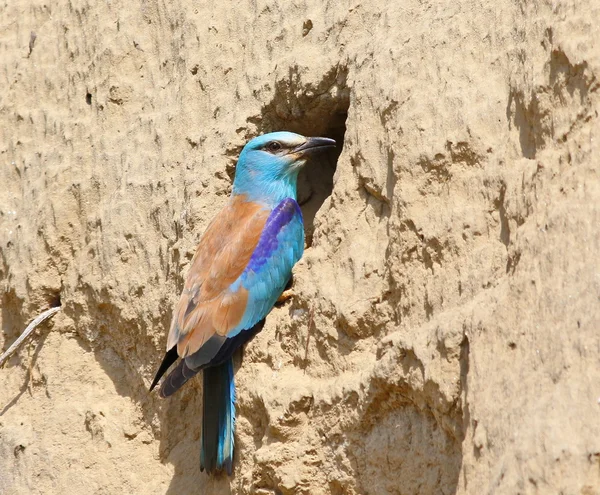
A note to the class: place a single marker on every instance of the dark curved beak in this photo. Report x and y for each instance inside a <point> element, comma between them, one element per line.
<point>314,144</point>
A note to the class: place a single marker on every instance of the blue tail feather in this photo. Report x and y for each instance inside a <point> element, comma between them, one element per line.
<point>218,418</point>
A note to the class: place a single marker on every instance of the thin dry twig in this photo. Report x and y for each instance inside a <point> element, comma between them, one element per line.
<point>28,331</point>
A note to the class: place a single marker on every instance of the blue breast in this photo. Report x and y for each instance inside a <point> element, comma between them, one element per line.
<point>269,240</point>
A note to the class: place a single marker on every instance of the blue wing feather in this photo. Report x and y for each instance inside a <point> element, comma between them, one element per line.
<point>280,247</point>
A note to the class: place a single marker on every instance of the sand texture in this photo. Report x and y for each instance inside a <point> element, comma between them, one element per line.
<point>444,333</point>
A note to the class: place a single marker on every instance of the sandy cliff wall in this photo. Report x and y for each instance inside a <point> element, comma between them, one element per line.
<point>444,336</point>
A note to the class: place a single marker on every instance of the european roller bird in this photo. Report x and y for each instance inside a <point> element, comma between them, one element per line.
<point>241,267</point>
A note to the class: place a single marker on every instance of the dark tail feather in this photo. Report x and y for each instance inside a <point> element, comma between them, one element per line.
<point>182,373</point>
<point>218,418</point>
<point>168,360</point>
<point>231,344</point>
<point>177,379</point>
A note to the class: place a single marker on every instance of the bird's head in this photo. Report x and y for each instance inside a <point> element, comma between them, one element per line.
<point>267,170</point>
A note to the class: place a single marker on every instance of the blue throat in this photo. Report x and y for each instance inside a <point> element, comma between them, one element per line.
<point>266,189</point>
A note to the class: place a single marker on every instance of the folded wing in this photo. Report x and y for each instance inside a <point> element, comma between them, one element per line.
<point>240,268</point>
<point>209,306</point>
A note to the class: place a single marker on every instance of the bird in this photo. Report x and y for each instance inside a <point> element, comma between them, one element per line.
<point>241,266</point>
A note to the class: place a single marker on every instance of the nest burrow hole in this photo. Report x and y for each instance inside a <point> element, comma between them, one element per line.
<point>295,109</point>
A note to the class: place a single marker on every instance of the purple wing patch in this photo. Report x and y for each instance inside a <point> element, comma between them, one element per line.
<point>281,215</point>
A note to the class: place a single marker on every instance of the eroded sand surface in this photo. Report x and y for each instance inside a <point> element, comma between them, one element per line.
<point>453,272</point>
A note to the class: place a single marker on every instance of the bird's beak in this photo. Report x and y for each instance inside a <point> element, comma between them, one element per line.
<point>314,144</point>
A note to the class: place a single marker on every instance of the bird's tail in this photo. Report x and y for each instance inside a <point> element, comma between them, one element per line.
<point>218,418</point>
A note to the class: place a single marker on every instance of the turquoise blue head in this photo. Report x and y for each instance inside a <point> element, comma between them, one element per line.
<point>268,167</point>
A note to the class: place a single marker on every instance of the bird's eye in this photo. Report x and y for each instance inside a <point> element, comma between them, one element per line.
<point>274,146</point>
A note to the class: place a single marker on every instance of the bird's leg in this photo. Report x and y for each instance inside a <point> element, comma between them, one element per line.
<point>287,292</point>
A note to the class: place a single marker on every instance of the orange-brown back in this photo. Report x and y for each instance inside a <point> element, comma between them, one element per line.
<point>207,305</point>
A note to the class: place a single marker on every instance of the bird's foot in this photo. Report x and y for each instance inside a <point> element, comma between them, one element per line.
<point>285,296</point>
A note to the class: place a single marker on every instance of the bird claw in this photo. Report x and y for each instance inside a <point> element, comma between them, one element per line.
<point>286,295</point>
